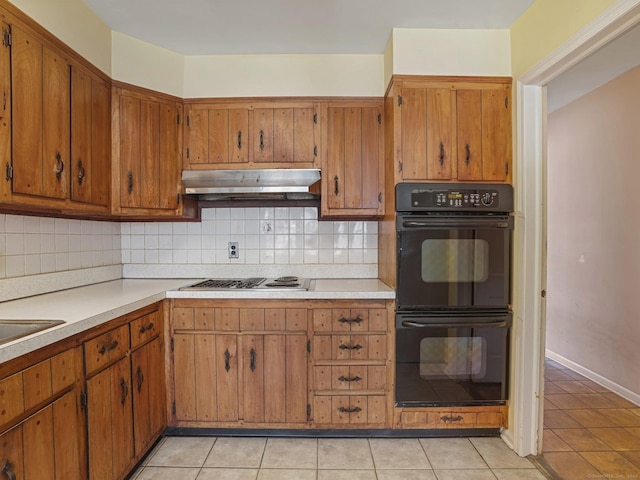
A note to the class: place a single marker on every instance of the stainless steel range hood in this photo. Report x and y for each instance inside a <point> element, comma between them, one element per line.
<point>242,184</point>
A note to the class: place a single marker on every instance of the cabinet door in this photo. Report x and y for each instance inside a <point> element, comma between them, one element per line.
<point>469,117</point>
<point>428,133</point>
<point>41,118</point>
<point>110,422</point>
<point>283,135</point>
<point>91,138</point>
<point>238,135</point>
<point>11,453</point>
<point>149,177</point>
<point>352,160</point>
<point>169,163</point>
<point>496,134</point>
<point>148,394</point>
<point>130,141</point>
<point>252,370</point>
<point>69,435</point>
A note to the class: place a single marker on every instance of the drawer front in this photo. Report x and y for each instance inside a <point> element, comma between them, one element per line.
<point>106,348</point>
<point>354,410</point>
<point>145,328</point>
<point>350,347</point>
<point>344,377</point>
<point>463,417</point>
<point>11,398</point>
<point>350,320</point>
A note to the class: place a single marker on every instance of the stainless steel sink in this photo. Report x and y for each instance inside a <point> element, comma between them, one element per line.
<point>14,329</point>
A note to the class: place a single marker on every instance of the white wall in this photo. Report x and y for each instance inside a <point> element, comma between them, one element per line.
<point>594,232</point>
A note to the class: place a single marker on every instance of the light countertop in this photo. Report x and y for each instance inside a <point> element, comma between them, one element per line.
<point>85,307</point>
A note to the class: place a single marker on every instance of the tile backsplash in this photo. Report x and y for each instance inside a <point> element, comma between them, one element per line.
<point>41,245</point>
<point>265,236</point>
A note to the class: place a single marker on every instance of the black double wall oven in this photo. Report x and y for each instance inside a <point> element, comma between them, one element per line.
<point>453,303</point>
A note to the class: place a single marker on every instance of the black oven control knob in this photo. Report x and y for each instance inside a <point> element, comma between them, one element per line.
<point>486,199</point>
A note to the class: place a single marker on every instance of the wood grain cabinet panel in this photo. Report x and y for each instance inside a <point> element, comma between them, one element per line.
<point>352,160</point>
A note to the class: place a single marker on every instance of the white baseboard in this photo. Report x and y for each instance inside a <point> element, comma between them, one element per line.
<point>594,377</point>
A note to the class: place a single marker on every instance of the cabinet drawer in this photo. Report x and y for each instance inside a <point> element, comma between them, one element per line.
<point>344,377</point>
<point>11,398</point>
<point>145,328</point>
<point>350,347</point>
<point>350,320</point>
<point>106,349</point>
<point>350,410</point>
<point>461,417</point>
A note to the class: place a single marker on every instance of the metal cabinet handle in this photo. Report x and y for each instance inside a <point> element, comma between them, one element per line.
<point>144,329</point>
<point>350,410</point>
<point>441,159</point>
<point>81,172</point>
<point>125,390</point>
<point>59,166</point>
<point>252,356</point>
<point>357,320</point>
<point>350,347</point>
<point>261,139</point>
<point>7,470</point>
<point>108,348</point>
<point>352,379</point>
<point>140,378</point>
<point>130,182</point>
<point>335,181</point>
<point>239,139</point>
<point>451,419</point>
<point>468,156</point>
<point>227,357</point>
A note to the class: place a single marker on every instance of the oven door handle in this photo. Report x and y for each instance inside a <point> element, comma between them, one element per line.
<point>458,222</point>
<point>408,323</point>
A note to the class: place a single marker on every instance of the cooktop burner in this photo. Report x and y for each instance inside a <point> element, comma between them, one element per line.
<point>283,283</point>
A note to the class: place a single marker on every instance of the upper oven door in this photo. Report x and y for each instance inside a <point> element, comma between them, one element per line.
<point>454,261</point>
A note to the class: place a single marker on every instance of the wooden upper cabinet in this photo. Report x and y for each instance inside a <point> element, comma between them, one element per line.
<point>352,159</point>
<point>250,135</point>
<point>91,140</point>
<point>41,118</point>
<point>452,129</point>
<point>146,150</point>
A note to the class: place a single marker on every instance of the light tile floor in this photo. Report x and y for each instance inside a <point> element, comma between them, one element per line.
<point>244,458</point>
<point>589,432</point>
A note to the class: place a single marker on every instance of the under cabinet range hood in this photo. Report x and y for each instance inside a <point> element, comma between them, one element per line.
<point>283,183</point>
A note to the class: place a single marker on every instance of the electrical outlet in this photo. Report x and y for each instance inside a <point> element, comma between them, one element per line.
<point>234,252</point>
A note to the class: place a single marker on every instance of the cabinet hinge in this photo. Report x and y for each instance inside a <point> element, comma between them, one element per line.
<point>379,197</point>
<point>6,37</point>
<point>178,198</point>
<point>171,344</point>
<point>506,102</point>
<point>178,118</point>
<point>173,408</point>
<point>399,100</point>
<point>506,168</point>
<point>315,118</point>
<point>187,120</point>
<point>308,411</point>
<point>9,172</point>
<point>399,166</point>
<point>84,401</point>
<point>309,346</point>
<point>187,152</point>
<point>380,118</point>
<point>315,150</point>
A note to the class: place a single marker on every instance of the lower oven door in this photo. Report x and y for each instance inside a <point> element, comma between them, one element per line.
<point>452,359</point>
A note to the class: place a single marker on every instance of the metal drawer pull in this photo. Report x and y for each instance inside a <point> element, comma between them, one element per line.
<point>130,182</point>
<point>108,348</point>
<point>59,166</point>
<point>239,139</point>
<point>468,156</point>
<point>451,419</point>
<point>336,189</point>
<point>227,357</point>
<point>261,139</point>
<point>441,159</point>
<point>352,379</point>
<point>81,172</point>
<point>350,410</point>
<point>350,347</point>
<point>144,329</point>
<point>357,320</point>
<point>7,470</point>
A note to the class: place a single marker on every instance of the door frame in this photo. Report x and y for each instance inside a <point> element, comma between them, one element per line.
<point>524,434</point>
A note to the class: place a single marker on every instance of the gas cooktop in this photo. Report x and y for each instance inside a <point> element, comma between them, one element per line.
<point>262,283</point>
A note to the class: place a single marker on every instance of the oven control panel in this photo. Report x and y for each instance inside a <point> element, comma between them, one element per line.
<point>443,197</point>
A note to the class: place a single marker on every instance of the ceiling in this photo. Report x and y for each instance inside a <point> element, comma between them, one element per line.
<point>233,27</point>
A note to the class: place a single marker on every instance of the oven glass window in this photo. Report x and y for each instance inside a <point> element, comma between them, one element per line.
<point>455,260</point>
<point>456,358</point>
